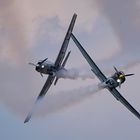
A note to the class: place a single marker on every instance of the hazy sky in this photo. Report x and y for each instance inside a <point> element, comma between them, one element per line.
<point>32,30</point>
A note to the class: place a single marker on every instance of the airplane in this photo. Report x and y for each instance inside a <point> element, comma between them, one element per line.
<point>46,67</point>
<point>110,83</point>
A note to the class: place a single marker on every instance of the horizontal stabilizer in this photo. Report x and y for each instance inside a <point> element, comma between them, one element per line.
<point>65,61</point>
<point>63,65</point>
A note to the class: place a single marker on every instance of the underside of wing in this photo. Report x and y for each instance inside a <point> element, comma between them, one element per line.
<point>94,67</point>
<point>44,90</point>
<point>120,98</point>
<point>46,86</point>
<point>64,46</point>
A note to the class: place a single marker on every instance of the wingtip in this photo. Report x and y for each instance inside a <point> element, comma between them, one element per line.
<point>28,117</point>
<point>31,112</point>
<point>27,120</point>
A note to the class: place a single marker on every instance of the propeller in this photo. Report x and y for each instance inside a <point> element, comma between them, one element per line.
<point>32,64</point>
<point>124,74</point>
<point>37,65</point>
<point>119,83</point>
<point>41,74</point>
<point>43,61</point>
<point>121,75</point>
<point>129,74</point>
<point>116,69</point>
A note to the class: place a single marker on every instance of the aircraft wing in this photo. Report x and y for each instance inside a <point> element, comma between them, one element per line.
<point>44,90</point>
<point>64,46</point>
<point>46,86</point>
<point>94,67</point>
<point>120,98</point>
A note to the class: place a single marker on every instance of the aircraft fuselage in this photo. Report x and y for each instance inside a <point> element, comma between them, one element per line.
<point>47,68</point>
<point>114,81</point>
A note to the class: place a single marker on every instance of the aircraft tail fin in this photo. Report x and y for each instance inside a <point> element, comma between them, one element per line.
<point>63,65</point>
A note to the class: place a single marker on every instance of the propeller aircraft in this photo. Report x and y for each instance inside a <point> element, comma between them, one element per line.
<point>46,67</point>
<point>110,83</point>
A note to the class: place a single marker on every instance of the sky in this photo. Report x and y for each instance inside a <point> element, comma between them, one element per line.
<point>73,109</point>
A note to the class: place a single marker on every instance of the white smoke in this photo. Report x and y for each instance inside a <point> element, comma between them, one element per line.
<point>85,73</point>
<point>75,73</point>
<point>17,84</point>
<point>57,102</point>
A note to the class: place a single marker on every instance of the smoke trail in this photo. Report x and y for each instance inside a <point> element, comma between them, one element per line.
<point>85,73</point>
<point>57,102</point>
<point>75,73</point>
<point>17,84</point>
<point>35,106</point>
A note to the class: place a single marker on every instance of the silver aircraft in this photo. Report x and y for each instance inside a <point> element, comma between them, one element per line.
<point>46,67</point>
<point>110,83</point>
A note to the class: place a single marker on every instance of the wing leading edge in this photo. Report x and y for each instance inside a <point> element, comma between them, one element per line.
<point>64,46</point>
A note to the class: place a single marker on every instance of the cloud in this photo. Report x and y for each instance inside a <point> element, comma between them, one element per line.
<point>12,38</point>
<point>20,21</point>
<point>124,19</point>
<point>63,99</point>
<point>24,22</point>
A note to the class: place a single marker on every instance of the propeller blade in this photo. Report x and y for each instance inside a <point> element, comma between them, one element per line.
<point>32,64</point>
<point>43,60</point>
<point>119,84</point>
<point>129,74</point>
<point>116,69</point>
<point>41,74</point>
